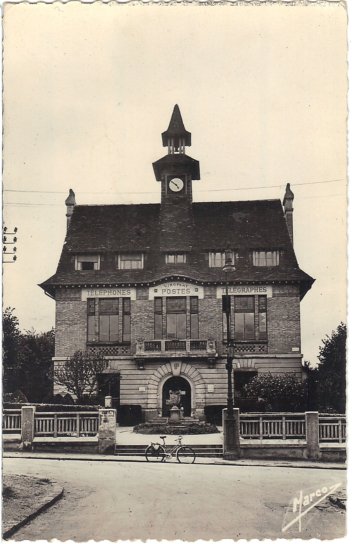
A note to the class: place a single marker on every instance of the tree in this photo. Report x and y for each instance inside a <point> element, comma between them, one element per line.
<point>332,371</point>
<point>11,339</point>
<point>281,393</point>
<point>78,374</point>
<point>27,359</point>
<point>35,360</point>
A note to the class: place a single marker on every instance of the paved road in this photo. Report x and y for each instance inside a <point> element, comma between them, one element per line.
<point>117,500</point>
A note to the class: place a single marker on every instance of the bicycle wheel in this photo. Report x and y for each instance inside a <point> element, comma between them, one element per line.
<point>155,454</point>
<point>185,455</point>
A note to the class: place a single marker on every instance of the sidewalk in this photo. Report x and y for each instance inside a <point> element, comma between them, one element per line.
<point>199,461</point>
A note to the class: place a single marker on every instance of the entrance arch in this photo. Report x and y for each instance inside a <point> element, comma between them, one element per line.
<point>180,384</point>
<point>168,370</point>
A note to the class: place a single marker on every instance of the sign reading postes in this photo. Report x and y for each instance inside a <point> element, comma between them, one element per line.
<point>176,289</point>
<point>109,292</point>
<point>245,290</point>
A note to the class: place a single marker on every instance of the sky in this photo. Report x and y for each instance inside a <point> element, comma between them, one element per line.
<point>88,89</point>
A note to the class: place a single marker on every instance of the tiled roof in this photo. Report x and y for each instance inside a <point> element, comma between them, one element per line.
<point>242,226</point>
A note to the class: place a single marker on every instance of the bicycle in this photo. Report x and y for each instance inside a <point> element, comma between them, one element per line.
<point>158,452</point>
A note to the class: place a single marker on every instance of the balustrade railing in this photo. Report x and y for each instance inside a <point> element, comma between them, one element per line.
<point>193,347</point>
<point>66,424</point>
<point>332,428</point>
<point>276,426</point>
<point>11,421</point>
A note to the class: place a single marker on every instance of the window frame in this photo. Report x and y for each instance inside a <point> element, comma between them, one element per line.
<point>213,261</point>
<point>95,317</point>
<point>141,260</point>
<point>258,308</point>
<point>87,258</point>
<point>176,256</point>
<point>265,260</point>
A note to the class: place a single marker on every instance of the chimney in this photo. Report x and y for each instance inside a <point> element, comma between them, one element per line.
<point>288,210</point>
<point>70,205</point>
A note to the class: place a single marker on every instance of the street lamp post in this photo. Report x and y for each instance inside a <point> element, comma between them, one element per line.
<point>231,424</point>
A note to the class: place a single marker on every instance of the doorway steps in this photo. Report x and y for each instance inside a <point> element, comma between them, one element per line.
<point>201,450</point>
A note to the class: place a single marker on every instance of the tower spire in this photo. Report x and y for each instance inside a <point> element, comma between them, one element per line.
<point>176,137</point>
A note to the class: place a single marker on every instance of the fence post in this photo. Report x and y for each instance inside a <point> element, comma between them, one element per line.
<point>340,434</point>
<point>312,435</point>
<point>55,425</point>
<point>27,426</point>
<point>234,429</point>
<point>107,430</point>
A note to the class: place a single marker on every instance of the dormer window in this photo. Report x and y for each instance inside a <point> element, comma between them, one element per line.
<point>87,262</point>
<point>217,258</point>
<point>266,258</point>
<point>130,261</point>
<point>175,258</point>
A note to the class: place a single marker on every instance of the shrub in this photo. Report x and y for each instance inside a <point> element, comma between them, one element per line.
<point>280,393</point>
<point>158,428</point>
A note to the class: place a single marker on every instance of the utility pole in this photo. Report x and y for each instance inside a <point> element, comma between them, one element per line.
<point>9,240</point>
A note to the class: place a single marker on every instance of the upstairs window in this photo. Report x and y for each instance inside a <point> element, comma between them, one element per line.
<point>244,318</point>
<point>104,323</point>
<point>217,258</point>
<point>108,319</point>
<point>175,258</point>
<point>266,258</point>
<point>176,317</point>
<point>87,262</point>
<point>250,318</point>
<point>130,261</point>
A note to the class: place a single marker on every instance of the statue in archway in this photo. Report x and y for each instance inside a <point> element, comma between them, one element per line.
<point>174,398</point>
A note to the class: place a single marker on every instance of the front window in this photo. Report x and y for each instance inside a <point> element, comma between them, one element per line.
<point>87,262</point>
<point>176,317</point>
<point>103,323</point>
<point>266,258</point>
<point>244,318</point>
<point>130,261</point>
<point>217,259</point>
<point>108,309</point>
<point>250,318</point>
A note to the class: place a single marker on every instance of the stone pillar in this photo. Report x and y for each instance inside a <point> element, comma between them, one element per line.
<point>27,426</point>
<point>175,414</point>
<point>107,430</point>
<point>312,435</point>
<point>231,429</point>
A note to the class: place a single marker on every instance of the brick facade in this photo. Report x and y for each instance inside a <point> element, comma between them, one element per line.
<point>136,386</point>
<point>98,240</point>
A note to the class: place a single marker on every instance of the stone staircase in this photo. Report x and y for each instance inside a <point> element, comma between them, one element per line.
<point>201,450</point>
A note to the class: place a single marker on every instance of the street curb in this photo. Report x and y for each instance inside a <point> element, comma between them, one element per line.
<point>217,462</point>
<point>7,534</point>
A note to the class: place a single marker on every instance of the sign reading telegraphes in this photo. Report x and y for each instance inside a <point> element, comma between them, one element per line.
<point>176,289</point>
<point>245,290</point>
<point>109,292</point>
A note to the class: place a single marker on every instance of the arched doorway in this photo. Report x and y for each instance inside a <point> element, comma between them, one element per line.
<point>176,383</point>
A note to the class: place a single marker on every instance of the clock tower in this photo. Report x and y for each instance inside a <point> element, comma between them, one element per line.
<point>176,171</point>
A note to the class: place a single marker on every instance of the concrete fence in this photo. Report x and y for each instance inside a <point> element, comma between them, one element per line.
<point>95,428</point>
<point>307,435</point>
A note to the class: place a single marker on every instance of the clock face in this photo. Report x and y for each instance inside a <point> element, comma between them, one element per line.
<point>176,185</point>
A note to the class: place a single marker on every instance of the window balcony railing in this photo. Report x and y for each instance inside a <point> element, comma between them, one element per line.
<point>171,347</point>
<point>260,346</point>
